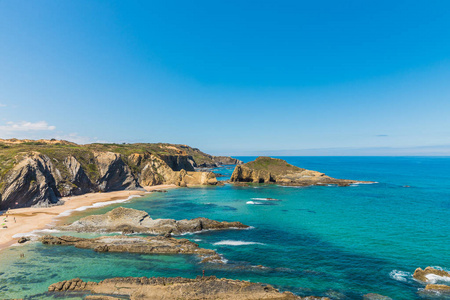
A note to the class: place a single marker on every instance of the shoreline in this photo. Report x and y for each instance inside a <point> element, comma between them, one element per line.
<point>29,219</point>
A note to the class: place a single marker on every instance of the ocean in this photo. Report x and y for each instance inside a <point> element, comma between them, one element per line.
<point>340,242</point>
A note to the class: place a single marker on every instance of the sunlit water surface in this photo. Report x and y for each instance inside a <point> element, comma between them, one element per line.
<point>340,242</point>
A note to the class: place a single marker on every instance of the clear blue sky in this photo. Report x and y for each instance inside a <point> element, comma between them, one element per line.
<point>230,77</point>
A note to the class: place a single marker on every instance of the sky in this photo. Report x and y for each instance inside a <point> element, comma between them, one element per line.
<point>230,77</point>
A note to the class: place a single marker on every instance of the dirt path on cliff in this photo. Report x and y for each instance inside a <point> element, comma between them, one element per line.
<point>24,220</point>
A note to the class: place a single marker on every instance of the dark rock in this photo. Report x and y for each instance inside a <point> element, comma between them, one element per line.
<point>23,240</point>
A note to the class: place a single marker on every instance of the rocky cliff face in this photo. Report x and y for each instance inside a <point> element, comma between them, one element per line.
<point>273,170</point>
<point>38,173</point>
<point>179,162</point>
<point>32,182</point>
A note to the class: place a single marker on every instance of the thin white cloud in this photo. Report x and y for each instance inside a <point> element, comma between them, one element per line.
<point>74,137</point>
<point>25,126</point>
<point>2,105</point>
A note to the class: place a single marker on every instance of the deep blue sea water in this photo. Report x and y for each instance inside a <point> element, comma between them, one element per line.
<point>340,242</point>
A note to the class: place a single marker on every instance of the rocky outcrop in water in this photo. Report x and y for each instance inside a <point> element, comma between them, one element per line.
<point>431,275</point>
<point>273,170</point>
<point>438,287</point>
<point>136,244</point>
<point>226,160</point>
<point>217,161</point>
<point>132,220</point>
<point>175,288</point>
<point>38,173</point>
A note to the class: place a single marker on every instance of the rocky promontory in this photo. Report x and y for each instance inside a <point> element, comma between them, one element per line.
<point>130,220</point>
<point>136,244</point>
<point>209,287</point>
<point>39,173</point>
<point>274,170</point>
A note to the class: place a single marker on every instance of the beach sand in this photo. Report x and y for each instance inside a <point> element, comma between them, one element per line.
<point>29,219</point>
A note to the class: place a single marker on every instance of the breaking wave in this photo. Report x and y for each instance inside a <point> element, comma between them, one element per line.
<point>400,275</point>
<point>236,243</point>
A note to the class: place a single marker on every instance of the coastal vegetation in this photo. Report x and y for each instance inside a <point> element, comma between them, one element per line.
<point>36,173</point>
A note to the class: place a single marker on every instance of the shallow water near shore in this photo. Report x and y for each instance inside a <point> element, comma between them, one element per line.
<point>340,242</point>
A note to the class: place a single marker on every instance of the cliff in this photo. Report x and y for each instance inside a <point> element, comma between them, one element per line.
<point>38,173</point>
<point>273,170</point>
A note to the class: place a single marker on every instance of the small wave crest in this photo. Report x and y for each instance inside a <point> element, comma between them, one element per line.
<point>259,203</point>
<point>96,205</point>
<point>400,275</point>
<point>236,243</point>
<point>266,199</point>
<point>35,233</point>
<point>253,203</point>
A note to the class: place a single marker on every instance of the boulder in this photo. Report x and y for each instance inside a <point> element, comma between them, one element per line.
<point>430,274</point>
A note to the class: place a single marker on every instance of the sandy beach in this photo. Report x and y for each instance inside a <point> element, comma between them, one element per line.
<point>24,220</point>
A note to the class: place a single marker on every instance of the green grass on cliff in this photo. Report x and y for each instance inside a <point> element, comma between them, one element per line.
<point>272,165</point>
<point>11,153</point>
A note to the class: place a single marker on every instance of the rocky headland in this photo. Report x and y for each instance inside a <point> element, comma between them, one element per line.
<point>274,170</point>
<point>136,244</point>
<point>209,287</point>
<point>39,173</point>
<point>128,220</point>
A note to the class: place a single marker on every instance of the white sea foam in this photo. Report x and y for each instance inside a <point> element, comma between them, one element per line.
<point>266,199</point>
<point>96,205</point>
<point>358,183</point>
<point>236,243</point>
<point>432,278</point>
<point>197,240</point>
<point>400,275</point>
<point>36,232</point>
<point>253,202</point>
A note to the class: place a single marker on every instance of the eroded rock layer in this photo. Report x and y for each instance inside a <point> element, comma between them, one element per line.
<point>175,288</point>
<point>132,220</point>
<point>136,244</point>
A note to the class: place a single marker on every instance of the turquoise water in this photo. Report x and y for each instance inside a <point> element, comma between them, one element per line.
<point>340,242</point>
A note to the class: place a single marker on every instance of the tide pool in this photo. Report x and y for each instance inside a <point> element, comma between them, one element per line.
<point>340,242</point>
